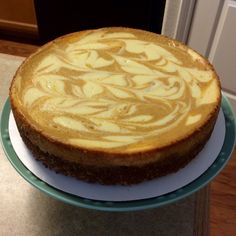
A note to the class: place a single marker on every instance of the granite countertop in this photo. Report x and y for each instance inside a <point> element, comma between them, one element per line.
<point>25,210</point>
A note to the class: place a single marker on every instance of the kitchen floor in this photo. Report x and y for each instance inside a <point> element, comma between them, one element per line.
<point>223,188</point>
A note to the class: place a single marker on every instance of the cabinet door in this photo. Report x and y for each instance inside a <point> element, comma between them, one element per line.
<point>223,50</point>
<point>17,16</point>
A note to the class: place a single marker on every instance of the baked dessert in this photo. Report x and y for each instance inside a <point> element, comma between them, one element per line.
<point>115,105</point>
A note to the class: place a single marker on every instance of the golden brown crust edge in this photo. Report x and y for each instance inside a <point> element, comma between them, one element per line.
<point>99,158</point>
<point>181,154</point>
<point>123,175</point>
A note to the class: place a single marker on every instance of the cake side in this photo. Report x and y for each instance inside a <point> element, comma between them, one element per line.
<point>115,169</point>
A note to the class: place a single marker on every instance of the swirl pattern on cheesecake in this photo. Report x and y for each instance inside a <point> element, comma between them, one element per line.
<point>109,89</point>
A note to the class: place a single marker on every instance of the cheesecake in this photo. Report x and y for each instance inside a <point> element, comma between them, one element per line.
<point>115,105</point>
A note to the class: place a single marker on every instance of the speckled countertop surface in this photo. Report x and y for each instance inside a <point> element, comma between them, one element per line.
<point>25,210</point>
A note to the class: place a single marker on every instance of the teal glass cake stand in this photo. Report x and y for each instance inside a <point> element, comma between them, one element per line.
<point>178,194</point>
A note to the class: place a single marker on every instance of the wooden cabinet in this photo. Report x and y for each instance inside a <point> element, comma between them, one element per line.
<point>18,16</point>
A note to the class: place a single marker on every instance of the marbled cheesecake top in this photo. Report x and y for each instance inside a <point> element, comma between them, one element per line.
<point>116,89</point>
